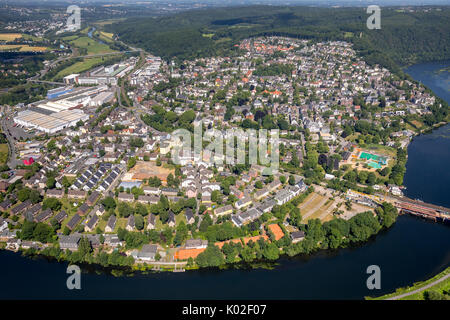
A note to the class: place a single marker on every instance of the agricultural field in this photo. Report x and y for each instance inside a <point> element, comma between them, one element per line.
<point>106,22</point>
<point>91,46</point>
<point>104,36</point>
<point>31,37</point>
<point>21,48</point>
<point>10,36</point>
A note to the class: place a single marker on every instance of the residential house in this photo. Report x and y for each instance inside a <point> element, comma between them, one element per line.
<point>130,223</point>
<point>297,236</point>
<point>147,253</point>
<point>228,209</point>
<point>90,225</point>
<point>125,197</point>
<point>92,199</point>
<point>196,244</point>
<point>244,202</point>
<point>69,242</point>
<point>55,193</point>
<point>151,221</point>
<point>73,222</point>
<point>61,216</point>
<point>111,224</point>
<point>75,194</point>
<point>83,209</point>
<point>189,215</point>
<point>171,222</point>
<point>44,215</point>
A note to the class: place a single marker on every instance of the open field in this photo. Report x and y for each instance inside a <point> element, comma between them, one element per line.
<point>311,205</point>
<point>322,203</point>
<point>3,153</point>
<point>79,67</point>
<point>383,150</point>
<point>21,48</point>
<point>10,36</point>
<point>325,212</point>
<point>31,37</point>
<point>147,169</point>
<point>92,46</point>
<point>106,22</point>
<point>104,36</point>
<point>69,38</point>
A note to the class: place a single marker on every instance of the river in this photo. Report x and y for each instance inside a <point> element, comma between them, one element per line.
<point>427,170</point>
<point>412,250</point>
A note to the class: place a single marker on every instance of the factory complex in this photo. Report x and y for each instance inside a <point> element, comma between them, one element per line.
<point>51,116</point>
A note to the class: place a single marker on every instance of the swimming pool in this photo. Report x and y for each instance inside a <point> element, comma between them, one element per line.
<point>374,164</point>
<point>374,159</point>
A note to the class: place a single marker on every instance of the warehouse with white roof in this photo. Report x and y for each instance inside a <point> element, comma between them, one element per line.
<point>50,123</point>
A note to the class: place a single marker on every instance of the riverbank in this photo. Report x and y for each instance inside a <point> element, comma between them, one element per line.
<point>358,229</point>
<point>439,283</point>
<point>342,272</point>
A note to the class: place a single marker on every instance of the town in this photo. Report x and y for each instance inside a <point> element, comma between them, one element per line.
<point>90,174</point>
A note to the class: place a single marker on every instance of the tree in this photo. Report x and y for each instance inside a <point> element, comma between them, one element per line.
<point>124,209</point>
<point>181,234</point>
<point>139,222</point>
<point>84,247</point>
<point>23,194</point>
<point>52,203</point>
<point>271,251</point>
<point>211,257</point>
<point>109,203</point>
<point>291,180</point>
<point>216,196</point>
<point>65,182</point>
<point>141,209</point>
<point>206,222</point>
<point>51,182</point>
<point>131,163</point>
<point>43,233</point>
<point>434,295</point>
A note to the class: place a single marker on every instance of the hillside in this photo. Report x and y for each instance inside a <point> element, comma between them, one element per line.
<point>405,37</point>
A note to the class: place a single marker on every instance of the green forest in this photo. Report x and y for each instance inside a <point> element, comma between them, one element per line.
<point>404,38</point>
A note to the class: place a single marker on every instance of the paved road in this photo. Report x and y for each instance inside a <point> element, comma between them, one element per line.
<point>12,158</point>
<point>420,289</point>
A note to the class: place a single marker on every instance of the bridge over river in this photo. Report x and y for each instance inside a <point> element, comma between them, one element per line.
<point>422,209</point>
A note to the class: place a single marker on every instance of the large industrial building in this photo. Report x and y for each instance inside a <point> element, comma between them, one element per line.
<point>50,123</point>
<point>101,75</point>
<point>57,114</point>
